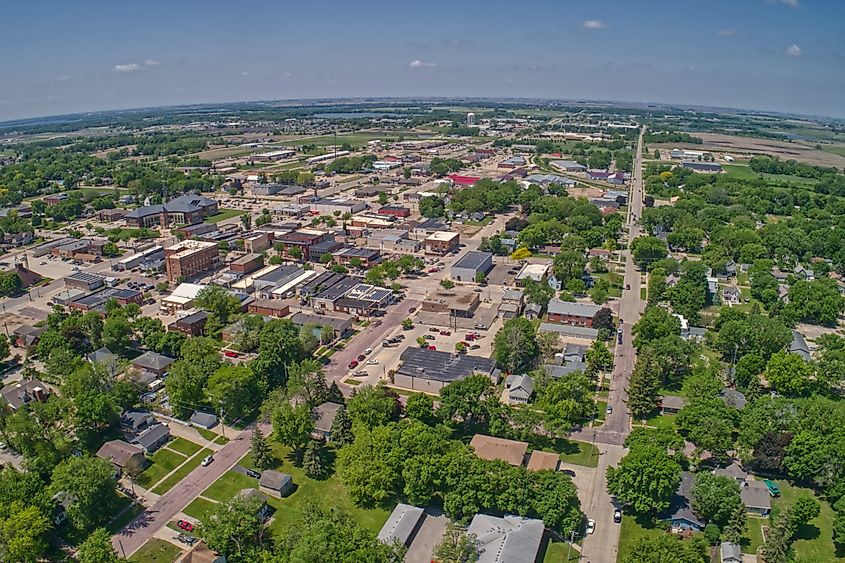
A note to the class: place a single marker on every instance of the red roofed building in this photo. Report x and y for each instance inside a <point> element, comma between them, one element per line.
<point>463,180</point>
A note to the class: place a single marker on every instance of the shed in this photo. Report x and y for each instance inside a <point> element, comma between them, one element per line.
<point>205,420</point>
<point>275,483</point>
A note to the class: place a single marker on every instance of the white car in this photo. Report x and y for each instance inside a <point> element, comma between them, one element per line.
<point>372,362</point>
<point>206,461</point>
<point>368,351</point>
<point>591,526</point>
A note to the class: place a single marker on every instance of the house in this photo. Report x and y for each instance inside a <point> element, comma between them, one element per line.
<point>28,335</point>
<point>565,312</point>
<point>19,394</point>
<point>402,524</point>
<point>730,552</point>
<point>755,495</point>
<point>680,514</point>
<point>803,273</point>
<point>275,483</point>
<point>533,272</point>
<point>152,438</point>
<point>574,352</point>
<point>731,294</point>
<point>471,265</point>
<point>62,502</point>
<point>152,362</point>
<point>264,508</point>
<point>733,471</point>
<point>204,420</point>
<point>543,461</point>
<point>136,421</point>
<point>122,455</point>
<point>799,346</point>
<point>519,388</point>
<point>670,404</point>
<point>427,370</point>
<point>200,553</point>
<point>533,311</point>
<point>190,325</point>
<point>324,416</point>
<point>509,539</point>
<point>733,398</point>
<point>491,448</point>
<point>512,303</point>
<point>562,370</point>
<point>569,331</point>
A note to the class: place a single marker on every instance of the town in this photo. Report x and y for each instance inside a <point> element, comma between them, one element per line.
<point>490,332</point>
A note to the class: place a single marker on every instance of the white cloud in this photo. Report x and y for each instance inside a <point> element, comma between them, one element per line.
<point>151,62</point>
<point>244,73</point>
<point>63,78</point>
<point>129,67</point>
<point>790,3</point>
<point>726,33</point>
<point>593,24</point>
<point>793,51</point>
<point>416,63</point>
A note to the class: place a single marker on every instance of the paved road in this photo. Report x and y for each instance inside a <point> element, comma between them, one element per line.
<point>136,533</point>
<point>602,546</point>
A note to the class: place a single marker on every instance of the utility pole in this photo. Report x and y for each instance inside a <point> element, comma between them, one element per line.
<point>222,422</point>
<point>569,548</point>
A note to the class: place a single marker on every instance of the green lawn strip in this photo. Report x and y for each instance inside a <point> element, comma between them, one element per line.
<point>156,551</point>
<point>742,171</point>
<point>199,507</point>
<point>753,534</point>
<point>601,406</point>
<point>228,485</point>
<point>329,492</point>
<point>181,473</point>
<point>570,451</point>
<point>222,440</point>
<point>815,540</point>
<point>223,214</point>
<point>661,420</point>
<point>184,446</point>
<point>163,462</point>
<point>130,511</point>
<point>207,434</point>
<point>633,530</point>
<point>557,551</point>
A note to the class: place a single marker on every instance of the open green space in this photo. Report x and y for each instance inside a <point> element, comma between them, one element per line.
<point>184,446</point>
<point>199,507</point>
<point>742,171</point>
<point>790,179</point>
<point>559,552</point>
<point>834,149</point>
<point>571,451</point>
<point>161,463</point>
<point>125,512</point>
<point>632,530</point>
<point>221,440</point>
<point>601,406</point>
<point>661,420</point>
<point>228,485</point>
<point>814,540</point>
<point>181,473</point>
<point>156,551</point>
<point>753,538</point>
<point>223,214</point>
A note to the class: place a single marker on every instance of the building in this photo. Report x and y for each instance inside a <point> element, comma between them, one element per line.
<point>510,539</point>
<point>492,448</point>
<point>441,242</point>
<point>730,552</point>
<point>122,455</point>
<point>152,438</point>
<point>189,259</point>
<point>136,420</point>
<point>402,524</point>
<point>568,166</point>
<point>110,215</point>
<point>363,300</point>
<point>543,461</point>
<point>519,388</point>
<point>460,180</point>
<point>471,265</point>
<point>396,211</point>
<point>269,308</point>
<point>548,179</point>
<point>356,257</point>
<point>187,209</point>
<point>534,272</point>
<point>512,162</point>
<point>427,370</point>
<point>28,335</point>
<point>258,242</point>
<point>799,346</point>
<point>680,514</point>
<point>21,393</point>
<point>567,331</point>
<point>328,206</point>
<point>671,404</point>
<point>683,154</point>
<point>247,264</point>
<point>152,362</point>
<point>275,483</point>
<point>303,239</point>
<point>84,280</point>
<point>149,258</point>
<point>578,314</point>
<point>205,420</point>
<point>324,416</point>
<point>756,498</point>
<point>97,301</point>
<point>455,302</point>
<point>470,119</point>
<point>54,199</point>
<point>181,298</point>
<point>190,325</point>
<point>710,167</point>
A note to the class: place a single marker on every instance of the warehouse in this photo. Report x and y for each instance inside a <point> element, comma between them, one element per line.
<point>471,264</point>
<point>430,370</point>
<point>328,206</point>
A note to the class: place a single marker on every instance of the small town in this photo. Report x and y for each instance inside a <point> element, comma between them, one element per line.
<point>422,329</point>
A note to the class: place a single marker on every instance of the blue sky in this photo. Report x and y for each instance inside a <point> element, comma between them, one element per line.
<point>783,55</point>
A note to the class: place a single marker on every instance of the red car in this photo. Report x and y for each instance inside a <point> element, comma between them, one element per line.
<point>185,525</point>
<point>230,354</point>
<point>353,364</point>
<point>432,347</point>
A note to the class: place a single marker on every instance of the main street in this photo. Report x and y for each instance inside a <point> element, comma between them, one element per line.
<point>602,545</point>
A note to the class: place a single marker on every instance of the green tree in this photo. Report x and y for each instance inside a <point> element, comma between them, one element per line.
<point>292,426</point>
<point>709,424</point>
<point>646,249</point>
<point>645,480</point>
<point>447,283</point>
<point>644,387</point>
<point>514,345</point>
<point>235,528</point>
<point>467,399</point>
<point>537,292</point>
<point>374,405</point>
<point>565,401</point>
<point>10,284</point>
<point>342,428</point>
<point>262,455</point>
<point>456,546</point>
<point>314,463</point>
<point>23,532</point>
<point>716,498</point>
<point>788,374</point>
<point>655,323</point>
<point>598,357</point>
<point>89,484</point>
<point>97,548</point>
<point>236,389</point>
<point>568,265</point>
<point>420,407</point>
<point>368,466</point>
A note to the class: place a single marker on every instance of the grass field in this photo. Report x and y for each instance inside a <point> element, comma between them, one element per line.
<point>131,511</point>
<point>181,473</point>
<point>834,149</point>
<point>815,540</point>
<point>163,462</point>
<point>571,451</point>
<point>790,179</point>
<point>742,171</point>
<point>198,508</point>
<point>184,446</point>
<point>223,215</point>
<point>556,552</point>
<point>156,551</point>
<point>632,530</point>
<point>229,485</point>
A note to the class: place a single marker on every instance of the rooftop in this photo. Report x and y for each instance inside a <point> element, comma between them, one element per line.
<point>442,366</point>
<point>473,260</point>
<point>510,539</point>
<point>491,448</point>
<point>401,524</point>
<point>558,307</point>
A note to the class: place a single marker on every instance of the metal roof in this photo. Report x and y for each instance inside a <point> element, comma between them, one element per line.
<point>558,307</point>
<point>473,260</point>
<point>442,366</point>
<point>401,524</point>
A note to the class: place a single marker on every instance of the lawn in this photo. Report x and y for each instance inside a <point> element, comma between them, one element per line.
<point>632,530</point>
<point>661,420</point>
<point>572,451</point>
<point>199,507</point>
<point>790,179</point>
<point>815,540</point>
<point>741,171</point>
<point>207,434</point>
<point>330,492</point>
<point>156,550</point>
<point>753,534</point>
<point>131,511</point>
<point>181,473</point>
<point>556,552</point>
<point>223,214</point>
<point>229,485</point>
<point>221,440</point>
<point>601,406</point>
<point>163,462</point>
<point>184,446</point>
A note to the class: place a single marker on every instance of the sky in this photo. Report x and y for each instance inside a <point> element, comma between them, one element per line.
<point>776,55</point>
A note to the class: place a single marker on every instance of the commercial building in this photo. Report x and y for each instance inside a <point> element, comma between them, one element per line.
<point>471,264</point>
<point>182,298</point>
<point>397,211</point>
<point>190,258</point>
<point>145,259</point>
<point>361,257</point>
<point>430,370</point>
<point>247,264</point>
<point>303,239</point>
<point>269,308</point>
<point>363,300</point>
<point>712,167</point>
<point>579,314</point>
<point>186,209</point>
<point>257,242</point>
<point>190,325</point>
<point>97,301</point>
<point>568,166</point>
<point>84,280</point>
<point>455,302</point>
<point>533,272</point>
<point>683,154</point>
<point>371,222</point>
<point>441,242</point>
<point>328,206</point>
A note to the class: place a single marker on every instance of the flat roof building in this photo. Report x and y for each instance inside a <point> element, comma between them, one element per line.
<point>471,264</point>
<point>427,370</point>
<point>190,258</point>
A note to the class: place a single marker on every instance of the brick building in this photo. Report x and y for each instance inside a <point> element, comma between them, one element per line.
<point>190,258</point>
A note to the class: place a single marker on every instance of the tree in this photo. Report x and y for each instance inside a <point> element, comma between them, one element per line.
<point>88,482</point>
<point>645,480</point>
<point>97,548</point>
<point>716,498</point>
<point>514,346</point>
<point>431,206</point>
<point>734,529</point>
<point>420,407</point>
<point>536,292</point>
<point>709,424</point>
<point>568,265</point>
<point>373,405</point>
<point>603,319</point>
<point>314,463</point>
<point>646,249</point>
<point>565,401</point>
<point>788,373</point>
<point>599,357</point>
<point>116,334</point>
<point>341,432</point>
<point>407,324</point>
<point>456,546</point>
<point>292,426</point>
<point>369,467</point>
<point>805,509</point>
<point>466,399</point>
<point>644,387</point>
<point>447,283</point>
<point>689,295</point>
<point>10,283</point>
<point>262,455</point>
<point>235,528</point>
<point>23,532</point>
<point>236,389</point>
<point>655,323</point>
<point>747,368</point>
<point>521,253</point>
<point>662,548</point>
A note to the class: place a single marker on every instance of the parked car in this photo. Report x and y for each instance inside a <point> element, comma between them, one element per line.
<point>568,472</point>
<point>617,516</point>
<point>609,409</point>
<point>185,525</point>
<point>361,357</point>
<point>773,488</point>
<point>434,329</point>
<point>368,351</point>
<point>372,362</point>
<point>475,346</point>
<point>353,364</point>
<point>230,354</point>
<point>591,526</point>
<point>253,473</point>
<point>445,333</point>
<point>428,337</point>
<point>432,348</point>
<point>206,461</point>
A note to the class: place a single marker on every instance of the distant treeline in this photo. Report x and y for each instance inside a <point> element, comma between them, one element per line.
<point>769,165</point>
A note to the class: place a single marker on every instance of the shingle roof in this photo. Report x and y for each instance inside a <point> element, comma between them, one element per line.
<point>324,416</point>
<point>274,480</point>
<point>507,540</point>
<point>401,524</point>
<point>558,307</point>
<point>490,448</point>
<point>152,361</point>
<point>681,504</point>
<point>118,452</point>
<point>151,435</point>
<point>754,494</point>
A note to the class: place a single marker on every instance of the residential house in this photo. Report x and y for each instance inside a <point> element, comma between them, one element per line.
<point>264,508</point>
<point>733,398</point>
<point>28,335</point>
<point>492,448</point>
<point>799,346</point>
<point>543,461</point>
<point>324,416</point>
<point>755,495</point>
<point>204,420</point>
<point>731,294</point>
<point>275,483</point>
<point>136,421</point>
<point>510,539</point>
<point>152,438</point>
<point>730,552</point>
<point>21,393</point>
<point>519,388</point>
<point>152,362</point>
<point>671,404</point>
<point>122,455</point>
<point>402,524</point>
<point>680,515</point>
<point>565,312</point>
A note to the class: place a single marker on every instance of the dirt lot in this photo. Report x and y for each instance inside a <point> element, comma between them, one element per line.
<point>589,193</point>
<point>749,146</point>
